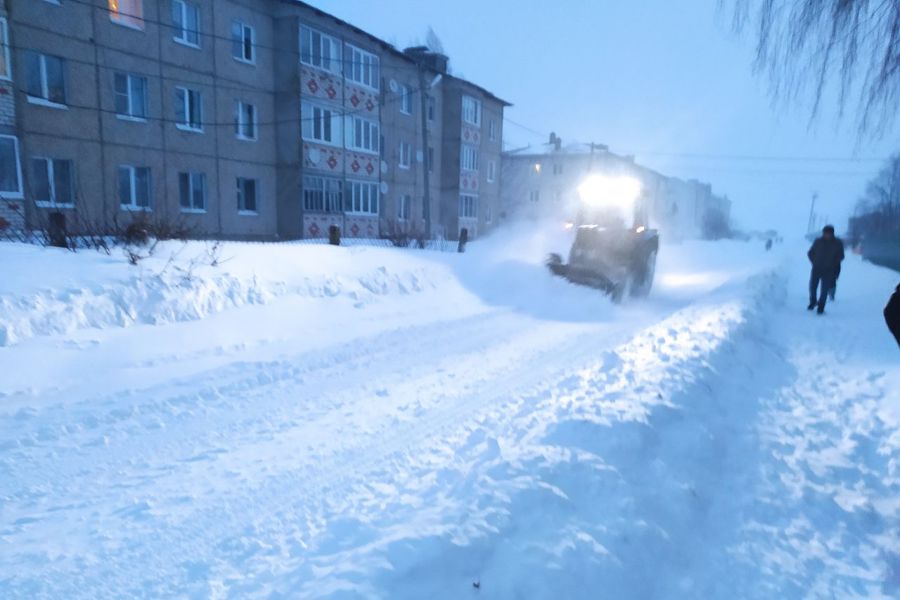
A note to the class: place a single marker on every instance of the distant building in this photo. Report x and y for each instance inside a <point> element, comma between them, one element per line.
<point>256,119</point>
<point>543,182</point>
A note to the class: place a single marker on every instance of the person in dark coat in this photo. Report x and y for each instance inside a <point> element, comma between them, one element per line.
<point>826,255</point>
<point>892,314</point>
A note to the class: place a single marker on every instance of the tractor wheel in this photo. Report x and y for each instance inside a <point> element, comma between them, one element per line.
<point>642,278</point>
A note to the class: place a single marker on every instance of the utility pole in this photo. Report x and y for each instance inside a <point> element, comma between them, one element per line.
<point>810,227</point>
<point>426,196</point>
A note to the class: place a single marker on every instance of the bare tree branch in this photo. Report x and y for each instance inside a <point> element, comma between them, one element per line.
<point>809,46</point>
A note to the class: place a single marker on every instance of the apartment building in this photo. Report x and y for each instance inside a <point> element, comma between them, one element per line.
<point>12,191</point>
<point>470,174</point>
<point>543,182</point>
<point>254,119</point>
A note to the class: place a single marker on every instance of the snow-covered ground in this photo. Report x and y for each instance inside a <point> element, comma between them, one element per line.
<point>316,422</point>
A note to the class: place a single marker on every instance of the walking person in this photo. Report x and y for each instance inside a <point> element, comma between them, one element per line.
<point>892,314</point>
<point>825,255</point>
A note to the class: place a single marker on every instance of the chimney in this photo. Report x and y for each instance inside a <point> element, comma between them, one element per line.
<point>433,60</point>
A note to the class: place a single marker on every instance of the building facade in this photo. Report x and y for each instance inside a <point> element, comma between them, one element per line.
<point>257,119</point>
<point>543,183</point>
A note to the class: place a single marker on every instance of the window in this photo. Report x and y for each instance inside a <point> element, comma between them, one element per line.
<point>363,198</point>
<point>45,80</point>
<point>5,63</point>
<point>430,159</point>
<point>186,19</point>
<point>491,170</point>
<point>403,206</point>
<point>244,120</point>
<point>131,96</point>
<point>430,108</point>
<point>127,12</point>
<point>534,195</point>
<point>557,168</point>
<point>188,109</point>
<point>10,169</point>
<point>468,206</point>
<point>363,67</point>
<point>243,42</point>
<point>405,155</point>
<point>471,110</point>
<point>405,100</point>
<point>488,215</point>
<point>320,50</point>
<point>322,194</point>
<point>134,187</point>
<point>53,182</point>
<point>468,157</point>
<point>363,135</point>
<point>246,195</point>
<point>492,130</point>
<point>320,124</point>
<point>192,192</point>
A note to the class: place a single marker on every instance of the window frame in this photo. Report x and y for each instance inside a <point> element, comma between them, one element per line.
<point>244,27</point>
<point>129,97</point>
<point>373,197</point>
<point>368,126</point>
<point>182,33</point>
<point>430,108</point>
<point>240,124</point>
<point>132,206</point>
<point>20,193</point>
<point>326,201</point>
<point>45,84</point>
<point>470,151</point>
<point>309,122</point>
<point>405,100</point>
<point>5,48</point>
<point>491,171</point>
<point>373,67</point>
<point>186,106</point>
<point>241,196</point>
<point>404,207</point>
<point>50,166</point>
<point>471,104</point>
<point>193,179</point>
<point>130,20</point>
<point>492,130</point>
<point>408,163</point>
<point>468,203</point>
<point>335,65</point>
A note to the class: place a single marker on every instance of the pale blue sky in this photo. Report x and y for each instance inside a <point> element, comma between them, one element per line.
<point>666,81</point>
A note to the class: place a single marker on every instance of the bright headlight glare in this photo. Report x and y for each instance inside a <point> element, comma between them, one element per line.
<point>600,190</point>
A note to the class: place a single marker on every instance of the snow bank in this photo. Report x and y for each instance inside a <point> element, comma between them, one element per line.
<point>50,291</point>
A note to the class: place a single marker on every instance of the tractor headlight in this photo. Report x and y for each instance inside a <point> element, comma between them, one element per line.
<point>599,191</point>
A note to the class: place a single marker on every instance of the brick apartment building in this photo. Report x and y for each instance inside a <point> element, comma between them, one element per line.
<point>251,119</point>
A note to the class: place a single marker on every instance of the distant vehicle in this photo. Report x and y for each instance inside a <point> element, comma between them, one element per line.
<point>614,249</point>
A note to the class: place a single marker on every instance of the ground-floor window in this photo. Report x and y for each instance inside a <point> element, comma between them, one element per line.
<point>53,183</point>
<point>192,191</point>
<point>468,206</point>
<point>363,198</point>
<point>403,207</point>
<point>10,168</point>
<point>246,195</point>
<point>134,187</point>
<point>322,194</point>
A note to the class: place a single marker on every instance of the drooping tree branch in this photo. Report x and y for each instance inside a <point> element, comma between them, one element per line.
<point>809,46</point>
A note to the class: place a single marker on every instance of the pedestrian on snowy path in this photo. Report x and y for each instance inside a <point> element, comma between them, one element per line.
<point>826,255</point>
<point>892,314</point>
